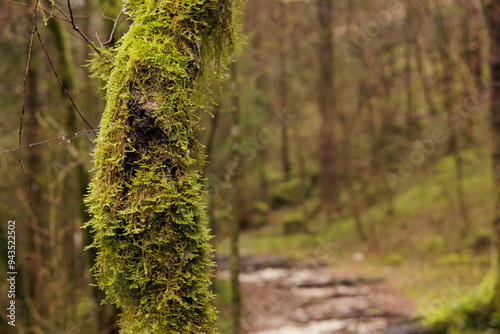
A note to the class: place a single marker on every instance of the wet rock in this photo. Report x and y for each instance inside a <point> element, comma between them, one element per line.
<point>407,329</point>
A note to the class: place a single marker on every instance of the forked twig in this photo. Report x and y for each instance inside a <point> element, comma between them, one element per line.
<point>112,34</point>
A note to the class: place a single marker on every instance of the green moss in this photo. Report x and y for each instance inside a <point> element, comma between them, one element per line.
<point>285,193</point>
<point>294,223</point>
<point>452,259</point>
<point>394,259</point>
<point>434,244</point>
<point>476,312</point>
<point>145,198</point>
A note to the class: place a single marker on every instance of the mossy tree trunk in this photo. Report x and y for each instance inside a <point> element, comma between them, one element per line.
<point>210,181</point>
<point>106,314</point>
<point>145,197</point>
<point>494,29</point>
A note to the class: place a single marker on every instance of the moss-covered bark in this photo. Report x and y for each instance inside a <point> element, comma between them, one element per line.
<point>145,199</point>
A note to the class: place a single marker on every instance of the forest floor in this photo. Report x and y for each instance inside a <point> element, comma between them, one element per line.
<point>286,297</point>
<point>416,263</point>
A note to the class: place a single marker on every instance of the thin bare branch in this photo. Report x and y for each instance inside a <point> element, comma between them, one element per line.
<point>60,10</point>
<point>114,28</point>
<point>62,139</point>
<point>75,27</point>
<point>17,3</point>
<point>99,40</point>
<point>35,29</point>
<point>60,82</point>
<point>44,9</point>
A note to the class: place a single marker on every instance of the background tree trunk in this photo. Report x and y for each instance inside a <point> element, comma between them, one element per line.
<point>327,98</point>
<point>283,90</point>
<point>494,27</point>
<point>235,189</point>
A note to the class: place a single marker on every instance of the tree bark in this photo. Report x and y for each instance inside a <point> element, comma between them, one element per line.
<point>409,40</point>
<point>426,82</point>
<point>235,226</point>
<point>283,92</point>
<point>494,30</point>
<point>449,96</point>
<point>146,201</point>
<point>34,162</point>
<point>326,90</point>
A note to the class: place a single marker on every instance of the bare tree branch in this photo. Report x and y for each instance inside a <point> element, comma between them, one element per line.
<point>75,27</point>
<point>60,82</point>
<point>44,9</point>
<point>62,139</point>
<point>112,34</point>
<point>35,29</point>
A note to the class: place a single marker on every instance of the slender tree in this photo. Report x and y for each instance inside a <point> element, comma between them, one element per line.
<point>449,97</point>
<point>326,91</point>
<point>145,197</point>
<point>235,177</point>
<point>494,29</point>
<point>283,89</point>
<point>409,41</point>
<point>35,237</point>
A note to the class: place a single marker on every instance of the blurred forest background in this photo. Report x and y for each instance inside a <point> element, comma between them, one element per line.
<point>363,144</point>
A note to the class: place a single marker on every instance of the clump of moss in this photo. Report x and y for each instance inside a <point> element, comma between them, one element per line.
<point>394,259</point>
<point>294,223</point>
<point>476,312</point>
<point>145,198</point>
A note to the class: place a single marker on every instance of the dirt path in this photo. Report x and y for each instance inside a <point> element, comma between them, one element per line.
<point>280,297</point>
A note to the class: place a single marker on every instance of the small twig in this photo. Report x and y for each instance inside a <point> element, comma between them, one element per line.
<point>20,164</point>
<point>70,19</point>
<point>99,40</point>
<point>35,29</point>
<point>62,139</point>
<point>114,28</point>
<point>45,10</point>
<point>60,82</point>
<point>17,3</point>
<point>75,27</point>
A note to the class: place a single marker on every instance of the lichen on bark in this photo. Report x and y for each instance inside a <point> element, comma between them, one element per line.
<point>145,198</point>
